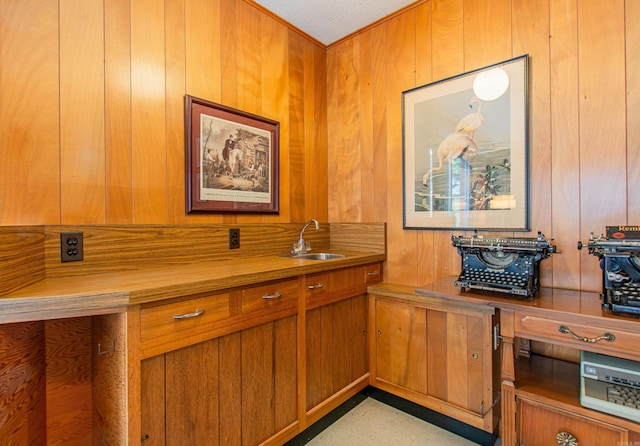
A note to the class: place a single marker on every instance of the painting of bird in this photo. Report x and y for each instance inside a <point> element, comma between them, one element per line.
<point>455,145</point>
<point>473,121</point>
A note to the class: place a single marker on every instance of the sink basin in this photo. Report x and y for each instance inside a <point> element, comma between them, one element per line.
<point>316,256</point>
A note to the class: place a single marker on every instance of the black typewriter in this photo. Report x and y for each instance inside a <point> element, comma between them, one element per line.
<point>620,264</point>
<point>502,264</point>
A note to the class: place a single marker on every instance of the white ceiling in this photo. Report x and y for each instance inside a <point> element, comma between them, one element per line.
<point>330,20</point>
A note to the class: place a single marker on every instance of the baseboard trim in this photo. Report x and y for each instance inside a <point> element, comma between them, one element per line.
<point>450,424</point>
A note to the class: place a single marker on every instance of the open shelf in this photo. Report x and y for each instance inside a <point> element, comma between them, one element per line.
<point>556,383</point>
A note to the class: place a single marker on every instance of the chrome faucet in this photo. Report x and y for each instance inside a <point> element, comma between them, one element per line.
<point>301,247</point>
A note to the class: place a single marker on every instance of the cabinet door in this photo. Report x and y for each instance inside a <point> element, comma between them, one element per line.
<point>239,389</point>
<point>401,345</point>
<point>435,353</point>
<point>456,367</point>
<point>336,343</point>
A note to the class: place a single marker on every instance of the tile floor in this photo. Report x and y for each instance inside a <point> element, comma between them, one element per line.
<point>372,423</point>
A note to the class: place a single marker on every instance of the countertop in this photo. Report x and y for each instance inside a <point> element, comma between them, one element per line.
<point>113,292</point>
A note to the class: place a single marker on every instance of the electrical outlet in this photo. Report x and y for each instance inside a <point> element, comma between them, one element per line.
<point>234,238</point>
<point>71,249</point>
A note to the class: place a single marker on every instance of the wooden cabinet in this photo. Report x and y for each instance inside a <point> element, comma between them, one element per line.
<point>236,387</point>
<point>435,353</point>
<point>336,336</point>
<point>548,395</point>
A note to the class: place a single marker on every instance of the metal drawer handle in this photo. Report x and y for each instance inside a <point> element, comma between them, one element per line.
<point>566,439</point>
<point>316,286</point>
<point>272,296</point>
<point>603,337</point>
<point>189,315</point>
<point>373,273</point>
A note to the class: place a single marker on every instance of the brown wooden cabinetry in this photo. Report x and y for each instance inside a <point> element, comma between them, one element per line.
<point>236,386</point>
<point>435,353</point>
<point>337,362</point>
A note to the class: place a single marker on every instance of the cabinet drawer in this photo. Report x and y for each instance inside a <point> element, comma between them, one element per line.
<point>373,273</point>
<point>279,295</point>
<point>183,318</point>
<point>556,422</point>
<point>576,335</point>
<point>317,286</point>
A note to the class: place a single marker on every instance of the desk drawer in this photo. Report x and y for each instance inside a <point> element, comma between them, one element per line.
<point>580,335</point>
<point>183,318</point>
<point>559,424</point>
<point>273,296</point>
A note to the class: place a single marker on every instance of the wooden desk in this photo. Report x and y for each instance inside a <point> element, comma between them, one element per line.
<point>543,391</point>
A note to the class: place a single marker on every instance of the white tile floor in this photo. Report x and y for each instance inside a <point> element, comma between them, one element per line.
<point>372,423</point>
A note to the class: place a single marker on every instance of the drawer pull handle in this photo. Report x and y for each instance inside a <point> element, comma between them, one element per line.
<point>566,439</point>
<point>373,273</point>
<point>603,337</point>
<point>272,296</point>
<point>316,286</point>
<point>189,315</point>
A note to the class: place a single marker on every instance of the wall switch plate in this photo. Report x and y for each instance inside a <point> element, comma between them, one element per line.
<point>234,238</point>
<point>71,247</point>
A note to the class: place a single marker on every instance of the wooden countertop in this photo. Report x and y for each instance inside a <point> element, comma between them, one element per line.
<point>114,292</point>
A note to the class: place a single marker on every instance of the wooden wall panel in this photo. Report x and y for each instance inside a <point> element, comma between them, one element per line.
<point>565,208</point>
<point>315,118</point>
<point>581,131</point>
<point>176,85</point>
<point>603,182</point>
<point>531,36</point>
<point>92,109</point>
<point>487,32</point>
<point>117,79</point>
<point>82,157</point>
<point>400,68</point>
<point>297,143</point>
<point>632,27</point>
<point>149,162</point>
<point>275,85</point>
<point>29,113</point>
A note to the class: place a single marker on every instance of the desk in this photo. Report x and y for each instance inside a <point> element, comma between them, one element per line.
<point>541,386</point>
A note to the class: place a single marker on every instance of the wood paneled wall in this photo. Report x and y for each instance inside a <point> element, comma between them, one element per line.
<point>91,113</point>
<point>92,106</point>
<point>584,88</point>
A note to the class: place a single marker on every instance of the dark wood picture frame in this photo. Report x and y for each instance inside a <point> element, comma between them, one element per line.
<point>232,160</point>
<point>462,176</point>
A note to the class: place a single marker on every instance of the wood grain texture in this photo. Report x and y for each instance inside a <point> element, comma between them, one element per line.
<point>130,247</point>
<point>22,262</point>
<point>69,387</point>
<point>117,71</point>
<point>148,120</point>
<point>599,62</point>
<point>23,417</point>
<point>82,112</point>
<point>190,416</point>
<point>109,379</point>
<point>152,390</point>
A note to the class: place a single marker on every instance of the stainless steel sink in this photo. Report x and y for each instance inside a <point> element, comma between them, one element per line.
<point>316,256</point>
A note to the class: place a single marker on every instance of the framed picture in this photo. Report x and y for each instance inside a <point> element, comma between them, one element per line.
<point>231,160</point>
<point>465,151</point>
